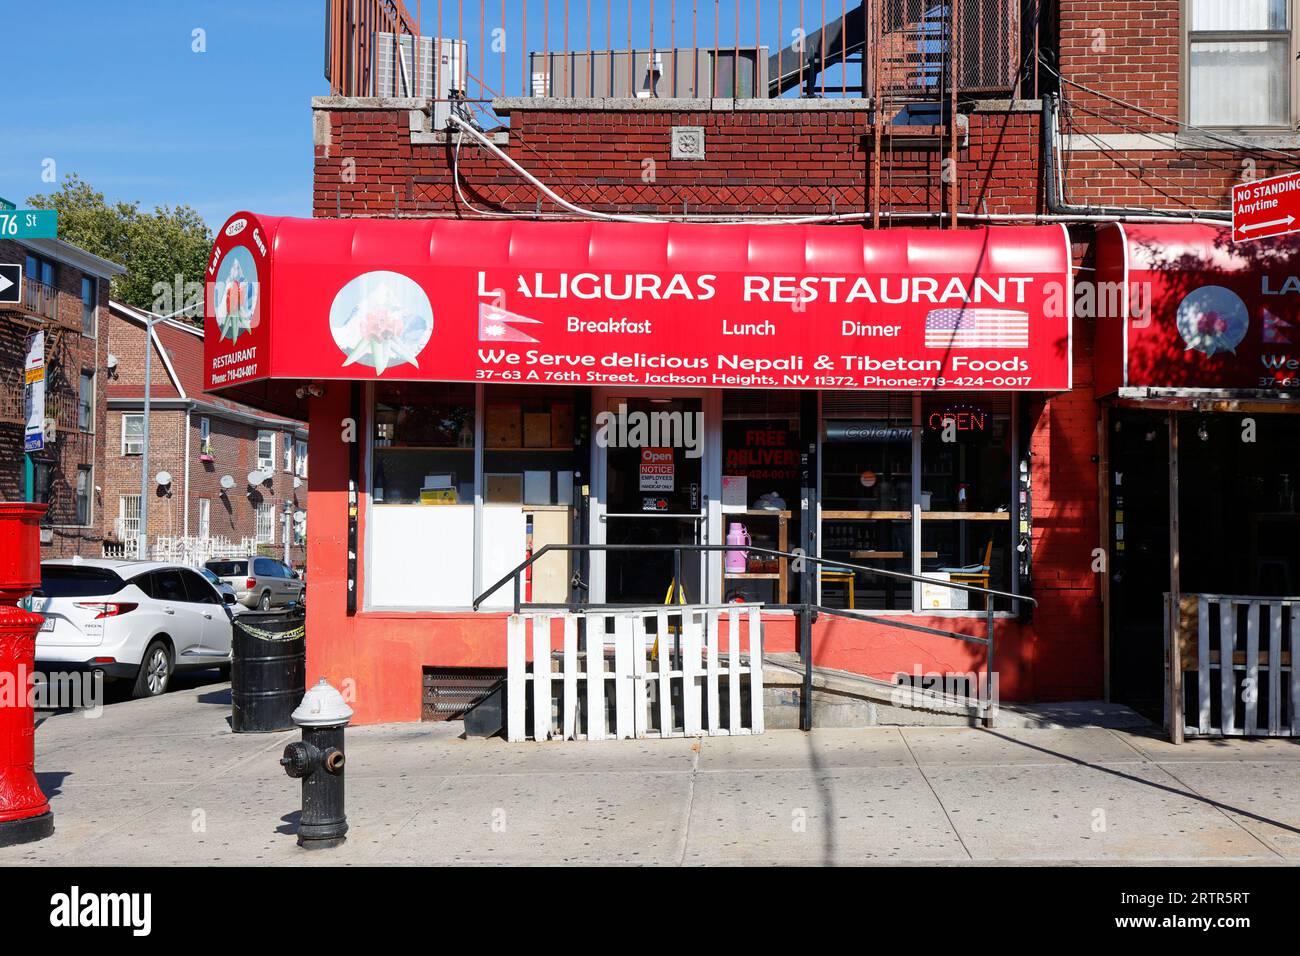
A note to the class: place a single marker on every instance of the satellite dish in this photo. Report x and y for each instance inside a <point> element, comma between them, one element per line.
<point>227,482</point>
<point>255,477</point>
<point>163,478</point>
<point>297,482</point>
<point>112,362</point>
<point>300,516</point>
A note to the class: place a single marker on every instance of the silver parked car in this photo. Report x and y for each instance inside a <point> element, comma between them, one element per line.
<point>259,582</point>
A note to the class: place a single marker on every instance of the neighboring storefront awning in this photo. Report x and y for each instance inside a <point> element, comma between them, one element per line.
<point>629,304</point>
<point>1181,307</point>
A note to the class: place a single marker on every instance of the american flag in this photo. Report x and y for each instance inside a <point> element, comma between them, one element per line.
<point>976,329</point>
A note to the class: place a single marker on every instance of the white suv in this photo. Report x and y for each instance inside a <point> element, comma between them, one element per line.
<point>135,620</point>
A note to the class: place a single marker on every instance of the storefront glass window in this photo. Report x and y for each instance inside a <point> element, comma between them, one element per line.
<point>866,498</point>
<point>962,498</point>
<point>421,525</point>
<point>530,471</point>
<point>760,491</point>
<point>423,444</point>
<point>966,489</point>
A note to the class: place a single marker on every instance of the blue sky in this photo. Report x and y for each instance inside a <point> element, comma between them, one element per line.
<point>115,93</point>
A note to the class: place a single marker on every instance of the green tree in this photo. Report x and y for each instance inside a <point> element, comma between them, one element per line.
<point>156,247</point>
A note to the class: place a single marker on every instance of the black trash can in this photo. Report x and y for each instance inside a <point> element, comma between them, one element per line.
<point>268,669</point>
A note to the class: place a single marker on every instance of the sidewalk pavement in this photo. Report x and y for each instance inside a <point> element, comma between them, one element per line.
<point>165,782</point>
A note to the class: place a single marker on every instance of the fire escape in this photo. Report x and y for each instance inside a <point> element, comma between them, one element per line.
<point>914,60</point>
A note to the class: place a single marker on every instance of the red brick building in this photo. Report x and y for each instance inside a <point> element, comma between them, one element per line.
<point>1094,117</point>
<point>208,446</point>
<point>65,297</point>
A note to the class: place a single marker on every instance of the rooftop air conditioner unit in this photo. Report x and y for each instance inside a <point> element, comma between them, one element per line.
<point>442,68</point>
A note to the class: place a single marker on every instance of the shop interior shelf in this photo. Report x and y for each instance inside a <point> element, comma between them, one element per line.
<point>925,515</point>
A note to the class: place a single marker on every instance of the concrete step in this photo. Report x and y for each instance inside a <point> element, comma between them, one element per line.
<point>842,699</point>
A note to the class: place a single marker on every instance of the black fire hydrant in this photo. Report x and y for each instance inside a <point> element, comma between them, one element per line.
<point>318,761</point>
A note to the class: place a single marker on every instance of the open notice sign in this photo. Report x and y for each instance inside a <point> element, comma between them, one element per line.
<point>658,473</point>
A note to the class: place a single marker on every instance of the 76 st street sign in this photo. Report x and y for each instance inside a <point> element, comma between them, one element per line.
<point>1266,207</point>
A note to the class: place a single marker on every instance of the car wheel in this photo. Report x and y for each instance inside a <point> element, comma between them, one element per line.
<point>155,671</point>
<point>265,603</point>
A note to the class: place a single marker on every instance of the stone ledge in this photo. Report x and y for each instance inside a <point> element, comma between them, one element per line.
<point>442,136</point>
<point>506,105</point>
<point>368,103</point>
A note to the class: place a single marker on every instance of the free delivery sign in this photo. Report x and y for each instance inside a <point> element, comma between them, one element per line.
<point>667,305</point>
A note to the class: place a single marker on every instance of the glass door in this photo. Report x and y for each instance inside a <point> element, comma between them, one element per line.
<point>655,468</point>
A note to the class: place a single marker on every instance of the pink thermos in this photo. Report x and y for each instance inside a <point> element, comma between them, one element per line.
<point>737,561</point>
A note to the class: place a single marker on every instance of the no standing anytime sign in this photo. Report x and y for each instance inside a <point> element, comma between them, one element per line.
<point>1266,207</point>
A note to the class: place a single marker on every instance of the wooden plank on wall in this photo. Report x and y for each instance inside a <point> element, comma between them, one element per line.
<point>665,690</point>
<point>1275,669</point>
<point>691,641</point>
<point>542,677</point>
<point>515,679</point>
<point>623,725</point>
<point>1250,693</point>
<point>640,720</point>
<point>733,670</point>
<point>570,723</point>
<point>1295,670</point>
<point>1227,678</point>
<point>596,677</point>
<point>1203,664</point>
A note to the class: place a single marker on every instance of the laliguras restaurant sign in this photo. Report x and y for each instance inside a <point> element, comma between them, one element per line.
<point>638,304</point>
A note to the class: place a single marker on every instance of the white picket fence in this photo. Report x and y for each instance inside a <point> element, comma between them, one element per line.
<point>653,690</point>
<point>190,550</point>
<point>1245,670</point>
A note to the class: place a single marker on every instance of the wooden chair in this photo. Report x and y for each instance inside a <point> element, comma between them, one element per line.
<point>844,577</point>
<point>976,574</point>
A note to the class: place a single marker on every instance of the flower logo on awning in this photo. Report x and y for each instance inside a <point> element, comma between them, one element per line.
<point>1213,319</point>
<point>235,295</point>
<point>381,319</point>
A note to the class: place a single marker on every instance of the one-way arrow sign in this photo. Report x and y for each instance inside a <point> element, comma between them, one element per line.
<point>11,284</point>
<point>1266,207</point>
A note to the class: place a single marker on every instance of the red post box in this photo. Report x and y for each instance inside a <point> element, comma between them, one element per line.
<point>24,812</point>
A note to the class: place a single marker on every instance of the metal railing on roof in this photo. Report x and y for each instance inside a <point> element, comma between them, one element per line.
<point>683,48</point>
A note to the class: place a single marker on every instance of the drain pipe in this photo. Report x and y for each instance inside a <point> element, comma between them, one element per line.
<point>1056,204</point>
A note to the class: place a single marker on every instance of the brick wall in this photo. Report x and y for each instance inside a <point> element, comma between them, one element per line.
<point>1131,50</point>
<point>789,161</point>
<point>67,353</point>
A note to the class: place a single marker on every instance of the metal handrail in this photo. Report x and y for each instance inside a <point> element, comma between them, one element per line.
<point>806,609</point>
<point>751,549</point>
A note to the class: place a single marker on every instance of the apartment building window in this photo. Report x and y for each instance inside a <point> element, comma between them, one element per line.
<point>40,270</point>
<point>288,453</point>
<point>89,303</point>
<point>264,525</point>
<point>86,402</point>
<point>128,517</point>
<point>205,436</point>
<point>265,451</point>
<point>205,518</point>
<point>41,474</point>
<point>1239,55</point>
<point>83,494</point>
<point>132,434</point>
<point>300,459</point>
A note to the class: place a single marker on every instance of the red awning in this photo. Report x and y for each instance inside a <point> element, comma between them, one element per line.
<point>1183,306</point>
<point>636,304</point>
